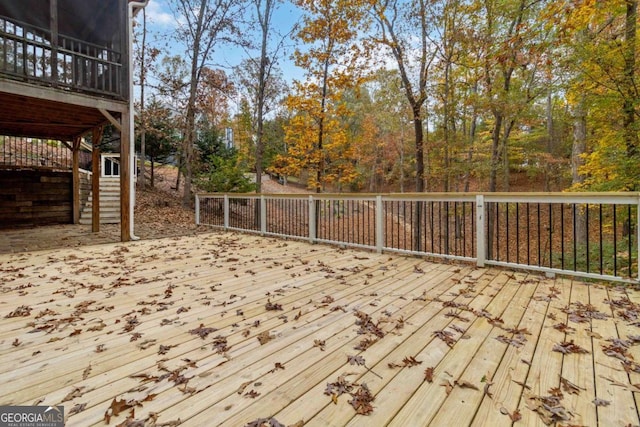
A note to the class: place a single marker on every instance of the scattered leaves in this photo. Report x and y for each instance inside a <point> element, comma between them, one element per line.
<point>22,311</point>
<point>362,399</point>
<point>446,336</point>
<point>270,306</point>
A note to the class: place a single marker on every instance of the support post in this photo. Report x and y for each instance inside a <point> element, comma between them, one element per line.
<point>379,224</point>
<point>481,243</point>
<point>312,220</point>
<point>226,211</point>
<point>96,168</point>
<point>263,215</point>
<point>125,178</point>
<point>76,179</point>
<point>197,209</point>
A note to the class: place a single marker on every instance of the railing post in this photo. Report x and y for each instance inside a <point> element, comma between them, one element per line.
<point>226,211</point>
<point>263,214</point>
<point>481,243</point>
<point>379,225</point>
<point>197,209</point>
<point>312,220</point>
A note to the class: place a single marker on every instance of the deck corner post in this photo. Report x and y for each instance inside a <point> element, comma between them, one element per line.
<point>312,220</point>
<point>197,209</point>
<point>379,224</point>
<point>263,215</point>
<point>481,245</point>
<point>226,211</point>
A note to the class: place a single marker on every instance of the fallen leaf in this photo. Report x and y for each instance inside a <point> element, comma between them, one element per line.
<point>77,408</point>
<point>570,387</point>
<point>252,394</point>
<point>86,372</point>
<point>319,343</point>
<point>356,360</point>
<point>76,392</point>
<point>428,375</point>
<point>466,384</point>
<point>568,347</point>
<point>448,386</point>
<point>265,337</point>
<point>601,402</point>
<point>202,331</point>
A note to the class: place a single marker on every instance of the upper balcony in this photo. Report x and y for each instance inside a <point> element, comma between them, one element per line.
<point>72,45</point>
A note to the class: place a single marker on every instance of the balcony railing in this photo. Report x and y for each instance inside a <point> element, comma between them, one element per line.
<point>27,53</point>
<point>592,235</point>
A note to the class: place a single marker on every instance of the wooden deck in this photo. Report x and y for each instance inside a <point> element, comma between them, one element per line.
<point>226,329</point>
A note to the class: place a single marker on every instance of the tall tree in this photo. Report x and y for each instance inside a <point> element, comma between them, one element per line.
<point>333,62</point>
<point>404,28</point>
<point>202,24</point>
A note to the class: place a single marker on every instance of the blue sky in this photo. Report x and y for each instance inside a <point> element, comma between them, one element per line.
<point>161,20</point>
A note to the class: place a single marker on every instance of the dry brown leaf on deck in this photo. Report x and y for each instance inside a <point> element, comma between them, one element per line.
<point>77,408</point>
<point>76,392</point>
<point>428,374</point>
<point>570,387</point>
<point>356,360</point>
<point>243,386</point>
<point>448,387</point>
<point>265,422</point>
<point>466,384</point>
<point>252,394</point>
<point>567,347</point>
<point>22,311</point>
<point>270,306</point>
<point>202,331</point>
<point>362,399</point>
<point>16,342</point>
<point>265,337</point>
<point>634,388</point>
<point>86,372</point>
<point>319,343</point>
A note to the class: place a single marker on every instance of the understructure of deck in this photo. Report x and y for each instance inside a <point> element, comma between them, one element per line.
<point>228,329</point>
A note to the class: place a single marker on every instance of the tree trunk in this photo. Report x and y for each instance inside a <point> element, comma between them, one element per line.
<point>630,99</point>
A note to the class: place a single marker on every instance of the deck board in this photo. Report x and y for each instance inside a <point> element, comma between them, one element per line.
<point>94,318</point>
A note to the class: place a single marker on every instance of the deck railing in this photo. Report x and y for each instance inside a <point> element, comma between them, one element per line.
<point>27,53</point>
<point>592,235</point>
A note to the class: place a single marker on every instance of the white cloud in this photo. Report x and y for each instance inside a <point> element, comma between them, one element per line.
<point>158,13</point>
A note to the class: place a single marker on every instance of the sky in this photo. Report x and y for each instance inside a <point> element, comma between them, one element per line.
<point>160,20</point>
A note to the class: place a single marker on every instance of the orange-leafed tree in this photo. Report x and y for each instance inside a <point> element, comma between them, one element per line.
<point>334,62</point>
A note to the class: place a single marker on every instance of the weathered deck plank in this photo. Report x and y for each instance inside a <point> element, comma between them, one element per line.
<point>76,340</point>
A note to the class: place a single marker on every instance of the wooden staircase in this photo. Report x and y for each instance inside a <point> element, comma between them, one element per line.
<point>109,202</point>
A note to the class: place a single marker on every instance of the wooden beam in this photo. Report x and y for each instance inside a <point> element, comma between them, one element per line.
<point>111,119</point>
<point>125,176</point>
<point>51,94</point>
<point>76,180</point>
<point>96,166</point>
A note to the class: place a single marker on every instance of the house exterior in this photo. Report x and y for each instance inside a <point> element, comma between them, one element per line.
<point>65,72</point>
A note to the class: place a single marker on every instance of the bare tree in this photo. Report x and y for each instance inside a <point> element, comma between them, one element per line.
<point>202,24</point>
